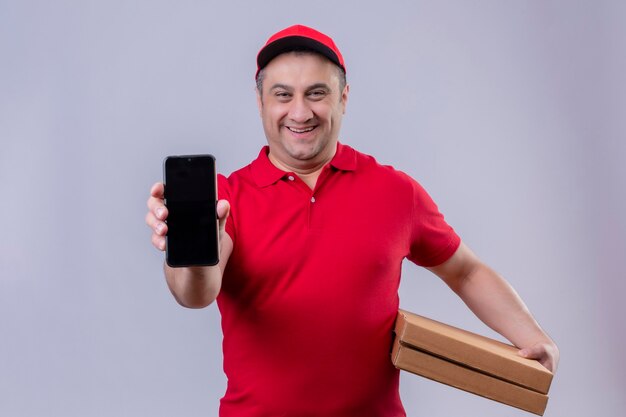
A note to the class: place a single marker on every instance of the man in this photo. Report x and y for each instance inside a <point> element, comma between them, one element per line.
<point>313,234</point>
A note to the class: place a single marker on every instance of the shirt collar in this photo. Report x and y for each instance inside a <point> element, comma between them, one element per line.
<point>344,159</point>
<point>265,173</point>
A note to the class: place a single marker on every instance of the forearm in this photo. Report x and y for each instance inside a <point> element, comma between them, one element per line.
<point>499,306</point>
<point>194,287</point>
<point>197,287</point>
<point>491,298</point>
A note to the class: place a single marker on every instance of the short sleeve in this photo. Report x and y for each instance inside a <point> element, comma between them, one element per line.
<point>433,241</point>
<point>224,193</point>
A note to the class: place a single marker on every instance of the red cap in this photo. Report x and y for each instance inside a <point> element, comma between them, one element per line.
<point>296,37</point>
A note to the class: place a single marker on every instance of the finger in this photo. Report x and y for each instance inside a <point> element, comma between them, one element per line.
<point>157,226</point>
<point>158,190</point>
<point>150,219</point>
<point>158,242</point>
<point>532,352</point>
<point>540,353</point>
<point>161,212</point>
<point>155,201</point>
<point>156,206</point>
<point>223,209</point>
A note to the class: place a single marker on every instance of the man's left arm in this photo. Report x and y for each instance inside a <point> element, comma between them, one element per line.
<point>497,304</point>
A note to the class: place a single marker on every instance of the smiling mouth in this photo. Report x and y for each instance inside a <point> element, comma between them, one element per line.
<point>303,130</point>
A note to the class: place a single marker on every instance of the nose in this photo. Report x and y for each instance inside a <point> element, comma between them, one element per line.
<point>300,111</point>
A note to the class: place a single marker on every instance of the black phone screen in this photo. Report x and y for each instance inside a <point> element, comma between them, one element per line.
<point>191,199</point>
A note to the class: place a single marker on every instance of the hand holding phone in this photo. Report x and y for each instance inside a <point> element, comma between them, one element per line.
<point>157,215</point>
<point>192,224</point>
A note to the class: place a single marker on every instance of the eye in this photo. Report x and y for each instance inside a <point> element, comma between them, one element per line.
<point>317,94</point>
<point>282,94</point>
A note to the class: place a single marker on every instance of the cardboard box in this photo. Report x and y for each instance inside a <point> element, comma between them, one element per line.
<point>470,362</point>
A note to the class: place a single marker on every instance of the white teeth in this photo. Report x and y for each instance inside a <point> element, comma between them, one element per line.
<point>295,130</point>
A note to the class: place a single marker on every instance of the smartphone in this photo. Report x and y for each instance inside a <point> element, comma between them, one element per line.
<point>191,199</point>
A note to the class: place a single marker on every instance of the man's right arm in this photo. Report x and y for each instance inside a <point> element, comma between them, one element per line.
<point>192,287</point>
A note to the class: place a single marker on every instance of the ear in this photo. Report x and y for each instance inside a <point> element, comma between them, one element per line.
<point>259,100</point>
<point>344,97</point>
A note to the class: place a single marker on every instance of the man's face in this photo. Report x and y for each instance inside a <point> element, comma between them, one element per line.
<point>301,108</point>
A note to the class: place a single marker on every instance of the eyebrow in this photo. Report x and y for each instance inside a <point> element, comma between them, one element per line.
<point>319,85</point>
<point>283,86</point>
<point>309,88</point>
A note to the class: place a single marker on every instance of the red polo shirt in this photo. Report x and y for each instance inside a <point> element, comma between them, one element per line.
<point>310,293</point>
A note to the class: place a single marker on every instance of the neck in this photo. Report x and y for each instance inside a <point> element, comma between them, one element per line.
<point>307,171</point>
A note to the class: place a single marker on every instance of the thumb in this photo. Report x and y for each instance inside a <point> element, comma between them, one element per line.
<point>532,352</point>
<point>525,353</point>
<point>545,354</point>
<point>223,210</point>
<point>157,190</point>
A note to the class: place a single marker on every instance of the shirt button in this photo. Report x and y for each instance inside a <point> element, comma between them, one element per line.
<point>312,199</point>
<point>291,178</point>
